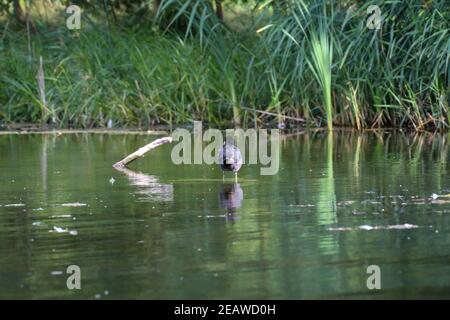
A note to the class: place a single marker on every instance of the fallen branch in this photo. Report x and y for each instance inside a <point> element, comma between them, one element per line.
<point>267,113</point>
<point>141,151</point>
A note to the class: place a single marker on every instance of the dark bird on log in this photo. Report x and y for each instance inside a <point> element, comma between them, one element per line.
<point>230,159</point>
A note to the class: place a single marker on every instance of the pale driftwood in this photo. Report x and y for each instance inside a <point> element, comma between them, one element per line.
<point>141,151</point>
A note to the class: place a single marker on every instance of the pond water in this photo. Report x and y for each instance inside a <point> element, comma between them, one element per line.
<point>338,205</point>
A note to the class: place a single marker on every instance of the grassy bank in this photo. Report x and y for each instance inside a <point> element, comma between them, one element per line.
<point>315,61</point>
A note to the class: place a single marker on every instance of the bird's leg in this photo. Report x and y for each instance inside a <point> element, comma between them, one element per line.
<point>223,176</point>
<point>235,177</point>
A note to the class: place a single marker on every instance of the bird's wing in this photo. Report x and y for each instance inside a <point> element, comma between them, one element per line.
<point>221,156</point>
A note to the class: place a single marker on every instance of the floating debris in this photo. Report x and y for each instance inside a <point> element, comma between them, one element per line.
<point>346,203</point>
<point>434,196</point>
<point>62,216</point>
<point>74,204</point>
<point>62,230</point>
<point>368,228</point>
<point>112,180</point>
<point>441,201</point>
<point>58,229</point>
<point>214,216</point>
<point>38,209</point>
<point>15,205</point>
<point>341,229</point>
<point>56,273</point>
<point>307,205</point>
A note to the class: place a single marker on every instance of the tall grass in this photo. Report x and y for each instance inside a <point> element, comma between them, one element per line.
<point>322,56</point>
<point>315,61</point>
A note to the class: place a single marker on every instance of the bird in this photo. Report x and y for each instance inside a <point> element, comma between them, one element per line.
<point>230,159</point>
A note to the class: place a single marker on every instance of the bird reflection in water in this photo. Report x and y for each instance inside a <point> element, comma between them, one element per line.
<point>149,187</point>
<point>231,197</point>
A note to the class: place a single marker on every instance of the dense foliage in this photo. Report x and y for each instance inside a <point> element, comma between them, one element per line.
<point>315,61</point>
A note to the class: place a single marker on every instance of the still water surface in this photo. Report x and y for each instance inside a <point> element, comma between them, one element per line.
<point>337,205</point>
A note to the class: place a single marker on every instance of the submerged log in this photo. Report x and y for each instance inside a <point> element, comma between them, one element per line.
<point>141,152</point>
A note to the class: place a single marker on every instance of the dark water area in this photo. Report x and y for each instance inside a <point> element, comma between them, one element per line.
<point>157,230</point>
